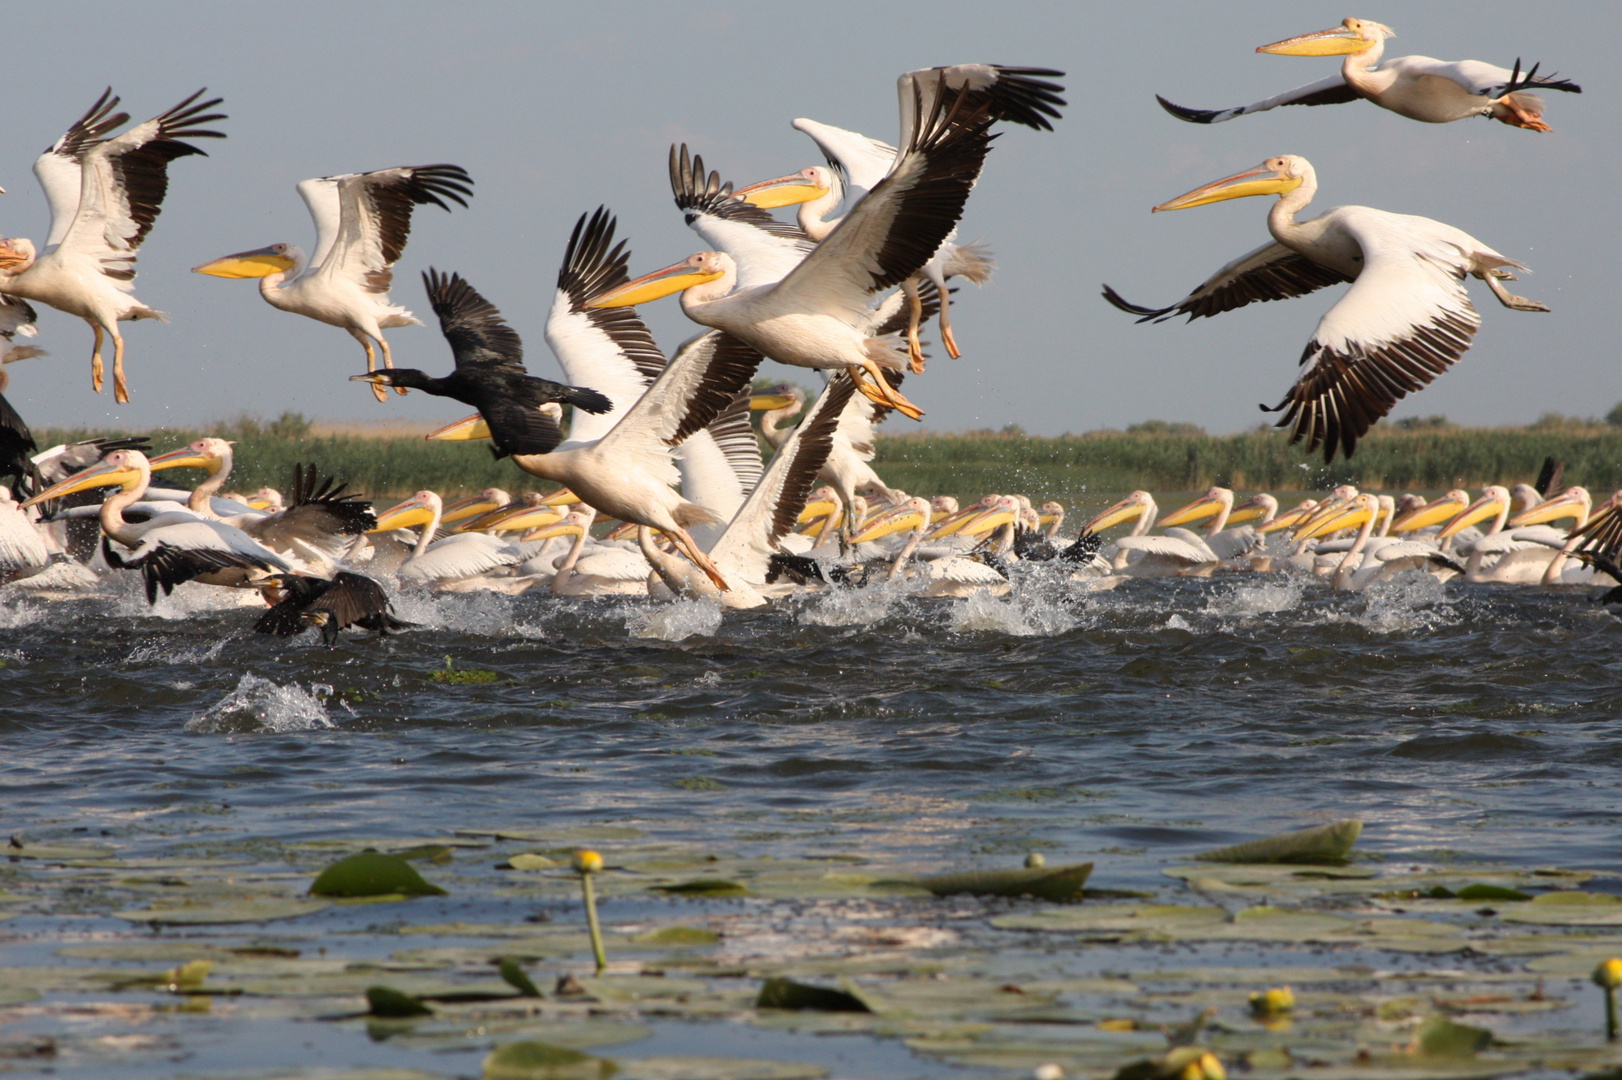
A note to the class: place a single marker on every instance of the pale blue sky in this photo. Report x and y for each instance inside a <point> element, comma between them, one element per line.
<point>556,108</point>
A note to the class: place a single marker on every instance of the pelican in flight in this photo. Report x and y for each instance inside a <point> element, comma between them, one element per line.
<point>1418,87</point>
<point>817,316</point>
<point>1019,95</point>
<point>1405,320</point>
<point>362,221</point>
<point>104,193</point>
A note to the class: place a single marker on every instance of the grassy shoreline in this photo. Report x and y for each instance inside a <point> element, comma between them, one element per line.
<point>1069,467</point>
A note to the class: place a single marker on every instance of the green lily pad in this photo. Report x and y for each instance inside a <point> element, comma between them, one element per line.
<point>382,1001</point>
<point>1323,843</point>
<point>676,936</point>
<point>530,1060</point>
<point>1491,892</point>
<point>1567,909</point>
<point>1062,884</point>
<point>1440,1037</point>
<point>372,873</point>
<point>716,1068</point>
<point>528,860</point>
<point>783,993</point>
<point>58,852</point>
<point>230,911</point>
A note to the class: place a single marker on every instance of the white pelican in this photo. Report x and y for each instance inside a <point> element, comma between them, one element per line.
<point>447,559</point>
<point>172,547</point>
<point>1156,556</point>
<point>765,249</point>
<point>1418,87</point>
<point>362,221</point>
<point>817,315</point>
<point>1217,504</point>
<point>22,549</point>
<point>846,470</point>
<point>1518,556</point>
<point>104,195</point>
<point>1371,559</point>
<point>16,441</point>
<point>1404,321</point>
<point>604,571</point>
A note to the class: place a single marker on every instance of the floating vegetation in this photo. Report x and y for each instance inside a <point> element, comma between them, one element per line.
<point>1061,884</point>
<point>784,993</point>
<point>1322,844</point>
<point>372,874</point>
<point>456,676</point>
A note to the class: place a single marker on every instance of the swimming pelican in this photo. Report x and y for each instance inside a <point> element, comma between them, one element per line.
<point>1404,321</point>
<point>1217,504</point>
<point>170,548</point>
<point>104,195</point>
<point>445,559</point>
<point>816,316</point>
<point>602,571</point>
<point>362,221</point>
<point>1370,559</point>
<point>1418,87</point>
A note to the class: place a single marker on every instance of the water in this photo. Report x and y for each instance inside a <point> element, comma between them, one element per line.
<point>1132,728</point>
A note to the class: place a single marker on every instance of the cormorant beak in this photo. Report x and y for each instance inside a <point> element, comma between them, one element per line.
<point>782,191</point>
<point>660,283</point>
<point>466,429</point>
<point>376,378</point>
<point>1339,41</point>
<point>258,263</point>
<point>1258,181</point>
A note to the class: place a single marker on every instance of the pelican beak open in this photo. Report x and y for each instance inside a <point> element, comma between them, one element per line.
<point>261,262</point>
<point>1338,41</point>
<point>783,191</point>
<point>1262,180</point>
<point>466,429</point>
<point>1568,504</point>
<point>101,474</point>
<point>767,402</point>
<point>1433,513</point>
<point>1489,505</point>
<point>904,519</point>
<point>660,283</point>
<point>1198,510</point>
<point>11,257</point>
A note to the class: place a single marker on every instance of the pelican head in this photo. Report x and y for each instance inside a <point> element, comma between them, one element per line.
<point>1297,515</point>
<point>778,397</point>
<point>699,269</point>
<point>1435,512</point>
<point>258,263</point>
<point>206,453</point>
<point>16,254</point>
<point>910,516</point>
<point>800,187</point>
<point>1275,176</point>
<point>1130,508</point>
<point>420,509</point>
<point>1351,36</point>
<point>941,506</point>
<point>1259,507</point>
<point>1574,503</point>
<point>475,506</point>
<point>1494,501</point>
<point>1363,508</point>
<point>574,523</point>
<point>1004,511</point>
<point>121,468</point>
<point>1208,505</point>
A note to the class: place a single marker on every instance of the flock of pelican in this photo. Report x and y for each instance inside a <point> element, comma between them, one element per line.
<point>664,446</point>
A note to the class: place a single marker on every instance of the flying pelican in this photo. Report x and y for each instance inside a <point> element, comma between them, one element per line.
<point>857,162</point>
<point>816,316</point>
<point>104,195</point>
<point>362,221</point>
<point>1418,87</point>
<point>628,472</point>
<point>170,548</point>
<point>1405,320</point>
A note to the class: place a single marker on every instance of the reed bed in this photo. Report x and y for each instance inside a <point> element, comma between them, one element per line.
<point>385,463</point>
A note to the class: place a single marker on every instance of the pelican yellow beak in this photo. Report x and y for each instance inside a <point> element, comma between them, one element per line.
<point>1334,521</point>
<point>409,513</point>
<point>1125,510</point>
<point>766,402</point>
<point>902,520</point>
<point>464,430</point>
<point>1564,505</point>
<point>261,262</point>
<point>558,528</point>
<point>987,519</point>
<point>1258,181</point>
<point>816,511</point>
<point>1307,524</point>
<point>650,287</point>
<point>1432,513</point>
<point>471,507</point>
<point>563,497</point>
<point>99,475</point>
<point>1198,510</point>
<point>1047,519</point>
<point>1289,519</point>
<point>1485,507</point>
<point>1339,41</point>
<point>783,191</point>
<point>184,458</point>
<point>519,520</point>
<point>625,531</point>
<point>1249,510</point>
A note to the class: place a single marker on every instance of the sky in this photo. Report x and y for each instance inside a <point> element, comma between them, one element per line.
<point>557,108</point>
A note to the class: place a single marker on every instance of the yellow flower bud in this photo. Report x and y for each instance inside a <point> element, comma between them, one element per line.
<point>588,862</point>
<point>1609,974</point>
<point>1211,1067</point>
<point>1280,999</point>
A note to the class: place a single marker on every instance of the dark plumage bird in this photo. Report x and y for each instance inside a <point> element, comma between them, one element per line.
<point>346,600</point>
<point>490,374</point>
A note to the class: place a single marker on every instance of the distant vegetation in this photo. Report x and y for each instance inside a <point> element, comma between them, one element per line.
<point>1427,453</point>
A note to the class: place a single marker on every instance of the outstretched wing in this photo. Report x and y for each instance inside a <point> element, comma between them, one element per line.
<point>764,248</point>
<point>1271,272</point>
<point>1333,90</point>
<point>473,327</point>
<point>862,161</point>
<point>58,170</point>
<point>1019,95</point>
<point>374,219</point>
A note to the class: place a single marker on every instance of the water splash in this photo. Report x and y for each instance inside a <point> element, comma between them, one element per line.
<point>865,606</point>
<point>675,621</point>
<point>1283,592</point>
<point>1413,600</point>
<point>22,613</point>
<point>162,652</point>
<point>1036,607</point>
<point>260,705</point>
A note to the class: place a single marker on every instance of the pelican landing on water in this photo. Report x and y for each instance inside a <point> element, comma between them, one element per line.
<point>1405,320</point>
<point>1418,87</point>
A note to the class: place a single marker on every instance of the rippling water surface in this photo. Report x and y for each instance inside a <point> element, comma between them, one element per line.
<point>1130,728</point>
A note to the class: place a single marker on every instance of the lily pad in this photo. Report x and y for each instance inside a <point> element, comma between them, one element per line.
<point>716,1068</point>
<point>530,1060</point>
<point>1321,844</point>
<point>1567,909</point>
<point>237,911</point>
<point>1440,1037</point>
<point>372,873</point>
<point>382,1001</point>
<point>58,852</point>
<point>783,993</point>
<point>704,887</point>
<point>528,860</point>
<point>1062,884</point>
<point>678,936</point>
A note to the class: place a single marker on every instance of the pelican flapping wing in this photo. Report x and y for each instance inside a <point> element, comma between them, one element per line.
<point>58,169</point>
<point>764,248</point>
<point>373,219</point>
<point>1271,272</point>
<point>1333,90</point>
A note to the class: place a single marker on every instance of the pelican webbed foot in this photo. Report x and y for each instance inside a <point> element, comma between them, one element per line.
<point>1494,282</point>
<point>880,392</point>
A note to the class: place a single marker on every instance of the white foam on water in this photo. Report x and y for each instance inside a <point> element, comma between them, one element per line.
<point>1280,592</point>
<point>1177,622</point>
<point>259,705</point>
<point>487,614</point>
<point>1413,600</point>
<point>189,598</point>
<point>20,613</point>
<point>675,621</point>
<point>841,606</point>
<point>1033,609</point>
<point>162,652</point>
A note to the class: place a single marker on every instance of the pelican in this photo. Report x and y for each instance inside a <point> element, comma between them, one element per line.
<point>628,472</point>
<point>452,558</point>
<point>604,571</point>
<point>1418,87</point>
<point>1158,556</point>
<point>104,195</point>
<point>1217,504</point>
<point>1385,557</point>
<point>22,549</point>
<point>1404,321</point>
<point>817,315</point>
<point>170,548</point>
<point>846,469</point>
<point>362,221</point>
<point>1519,555</point>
